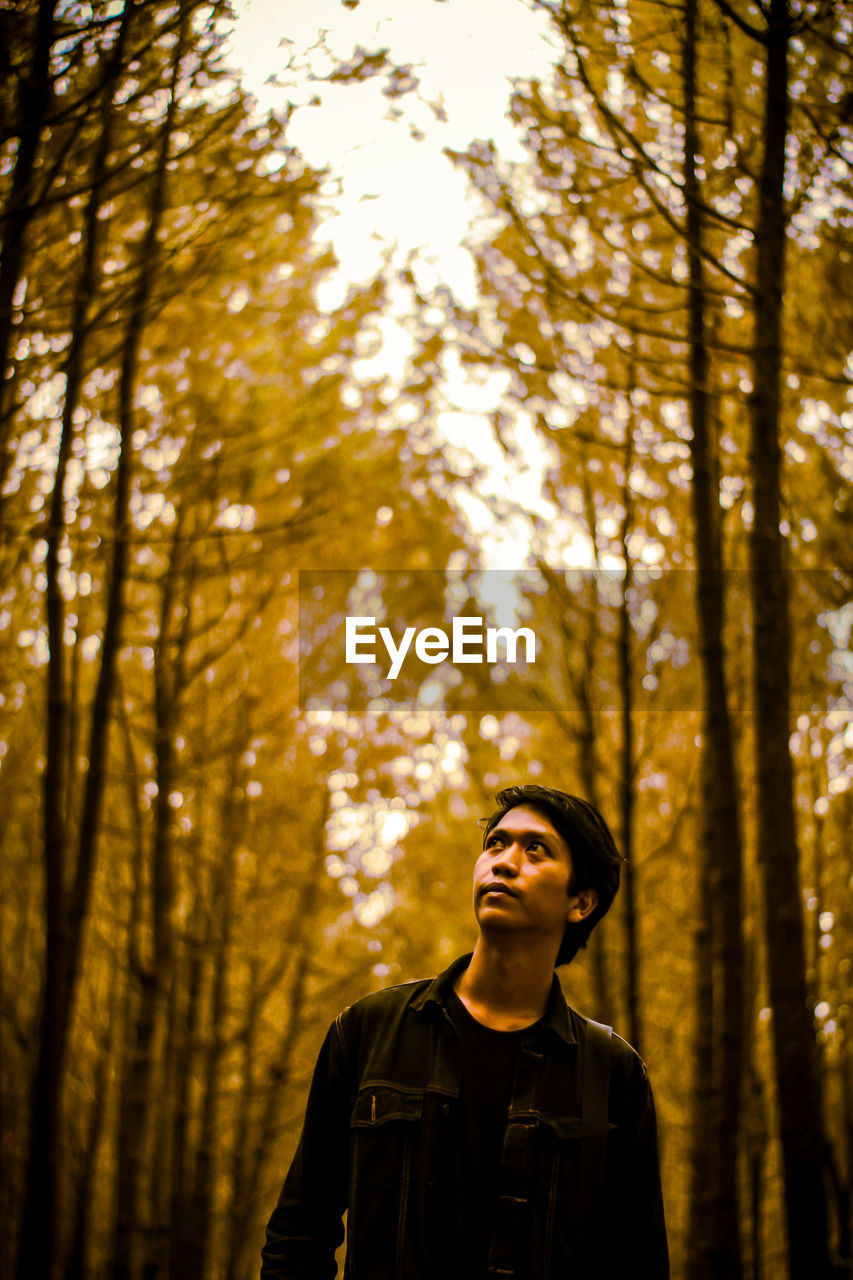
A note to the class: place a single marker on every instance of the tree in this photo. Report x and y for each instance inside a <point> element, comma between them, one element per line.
<point>195,429</point>
<point>803,1142</point>
<point>627,226</point>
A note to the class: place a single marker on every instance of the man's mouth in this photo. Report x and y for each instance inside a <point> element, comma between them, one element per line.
<point>497,888</point>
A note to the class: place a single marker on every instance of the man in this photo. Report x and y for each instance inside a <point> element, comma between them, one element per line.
<point>474,1125</point>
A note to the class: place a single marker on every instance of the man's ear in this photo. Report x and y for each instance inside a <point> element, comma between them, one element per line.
<point>581,904</point>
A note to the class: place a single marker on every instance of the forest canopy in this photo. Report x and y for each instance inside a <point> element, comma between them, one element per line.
<point>639,421</point>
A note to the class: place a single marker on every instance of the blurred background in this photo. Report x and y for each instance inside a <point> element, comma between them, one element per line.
<point>430,291</point>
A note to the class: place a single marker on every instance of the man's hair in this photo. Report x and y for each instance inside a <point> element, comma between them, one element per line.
<point>596,862</point>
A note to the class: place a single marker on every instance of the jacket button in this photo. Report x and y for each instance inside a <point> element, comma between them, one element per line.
<point>445,1108</point>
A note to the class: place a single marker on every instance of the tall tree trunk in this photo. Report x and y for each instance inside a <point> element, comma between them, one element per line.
<point>162,1126</point>
<point>845,1070</point>
<point>137,973</point>
<point>588,771</point>
<point>35,95</point>
<point>192,1244</point>
<point>149,1034</point>
<point>184,1234</point>
<point>699,1236</point>
<point>77,1266</point>
<point>147,1028</point>
<point>716,1253</point>
<point>813,930</point>
<point>583,735</point>
<point>588,763</point>
<point>803,1143</point>
<point>627,778</point>
<point>755,1121</point>
<point>250,1163</point>
<point>240,1157</point>
<point>66,907</point>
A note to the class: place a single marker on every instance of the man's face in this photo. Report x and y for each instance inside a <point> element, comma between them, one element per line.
<point>522,878</point>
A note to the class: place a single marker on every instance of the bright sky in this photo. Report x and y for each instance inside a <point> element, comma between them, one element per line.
<point>395,196</point>
<point>398,189</point>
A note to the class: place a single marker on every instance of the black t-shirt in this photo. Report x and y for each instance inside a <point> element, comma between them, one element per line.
<point>487,1060</point>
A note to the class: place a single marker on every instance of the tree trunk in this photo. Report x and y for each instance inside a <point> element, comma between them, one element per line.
<point>845,1069</point>
<point>699,1235</point>
<point>627,779</point>
<point>588,771</point>
<point>185,1234</point>
<point>250,1163</point>
<point>755,1124</point>
<point>813,929</point>
<point>35,97</point>
<point>716,1253</point>
<point>192,1246</point>
<point>77,1267</point>
<point>66,909</point>
<point>149,1029</point>
<point>803,1143</point>
<point>580,679</point>
<point>150,1033</point>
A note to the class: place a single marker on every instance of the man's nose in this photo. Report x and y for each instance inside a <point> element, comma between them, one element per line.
<point>508,859</point>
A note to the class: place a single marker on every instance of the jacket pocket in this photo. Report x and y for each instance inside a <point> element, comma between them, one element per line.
<point>558,1172</point>
<point>385,1126</point>
<point>380,1103</point>
<point>385,1132</point>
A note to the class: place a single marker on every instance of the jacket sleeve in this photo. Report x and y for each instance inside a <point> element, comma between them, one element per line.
<point>306,1226</point>
<point>637,1243</point>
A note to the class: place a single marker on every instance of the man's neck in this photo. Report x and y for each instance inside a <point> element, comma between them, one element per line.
<point>506,987</point>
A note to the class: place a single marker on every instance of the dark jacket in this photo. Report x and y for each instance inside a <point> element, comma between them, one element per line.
<point>378,1142</point>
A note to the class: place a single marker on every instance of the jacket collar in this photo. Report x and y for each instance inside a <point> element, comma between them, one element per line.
<point>556,1014</point>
